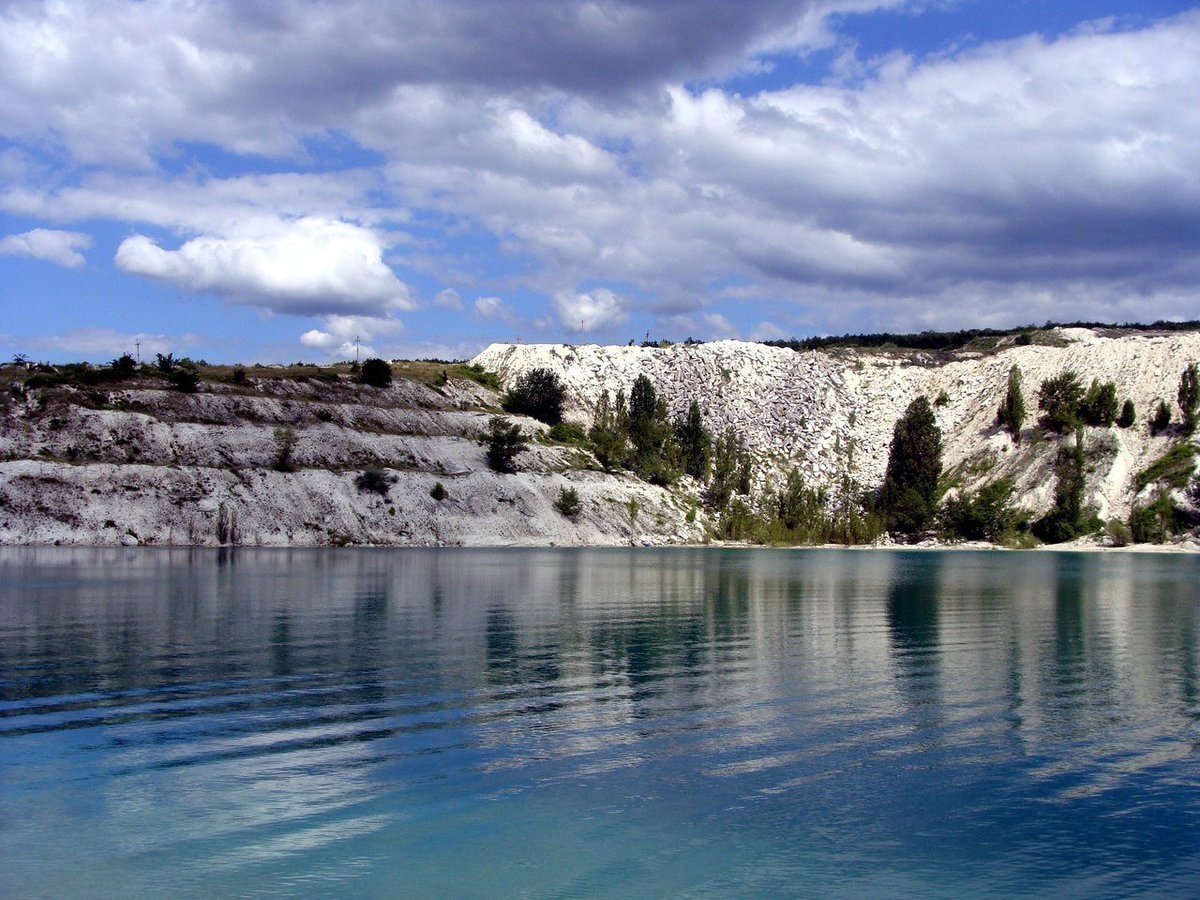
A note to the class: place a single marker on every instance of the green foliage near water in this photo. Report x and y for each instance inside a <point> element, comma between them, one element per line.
<point>987,514</point>
<point>1069,518</point>
<point>1172,470</point>
<point>909,495</point>
<point>568,503</point>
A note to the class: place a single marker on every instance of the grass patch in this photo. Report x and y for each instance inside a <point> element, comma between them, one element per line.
<point>1173,469</point>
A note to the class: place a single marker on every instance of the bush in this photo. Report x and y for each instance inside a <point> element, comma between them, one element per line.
<point>438,492</point>
<point>986,515</point>
<point>1156,521</point>
<point>568,433</point>
<point>1128,415</point>
<point>1189,397</point>
<point>124,366</point>
<point>1011,415</point>
<point>504,441</point>
<point>1161,420</point>
<point>1172,469</point>
<point>375,481</point>
<point>285,442</point>
<point>538,394</point>
<point>568,503</point>
<point>375,372</point>
<point>186,379</point>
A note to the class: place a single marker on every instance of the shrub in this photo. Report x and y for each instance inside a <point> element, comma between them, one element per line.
<point>988,514</point>
<point>538,394</point>
<point>438,492</point>
<point>239,375</point>
<point>480,375</point>
<point>1161,420</point>
<point>568,433</point>
<point>186,379</point>
<point>1156,521</point>
<point>568,503</point>
<point>504,441</point>
<point>375,372</point>
<point>1128,415</point>
<point>1172,469</point>
<point>375,481</point>
<point>285,442</point>
<point>124,366</point>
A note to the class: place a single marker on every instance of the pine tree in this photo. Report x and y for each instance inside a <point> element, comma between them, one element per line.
<point>908,498</point>
<point>1011,415</point>
<point>695,443</point>
<point>1189,397</point>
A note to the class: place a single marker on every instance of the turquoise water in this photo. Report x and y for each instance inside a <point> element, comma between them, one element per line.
<point>577,723</point>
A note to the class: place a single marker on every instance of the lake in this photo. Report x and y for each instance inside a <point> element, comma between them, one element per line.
<point>608,723</point>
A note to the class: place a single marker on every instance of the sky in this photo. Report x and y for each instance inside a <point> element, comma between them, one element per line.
<point>252,181</point>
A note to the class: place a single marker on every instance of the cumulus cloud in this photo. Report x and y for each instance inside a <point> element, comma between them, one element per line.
<point>60,247</point>
<point>590,311</point>
<point>307,267</point>
<point>349,336</point>
<point>613,152</point>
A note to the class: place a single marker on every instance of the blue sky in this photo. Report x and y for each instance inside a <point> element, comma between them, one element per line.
<point>248,181</point>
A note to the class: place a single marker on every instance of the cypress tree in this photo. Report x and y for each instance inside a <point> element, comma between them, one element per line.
<point>1189,397</point>
<point>1011,415</point>
<point>908,498</point>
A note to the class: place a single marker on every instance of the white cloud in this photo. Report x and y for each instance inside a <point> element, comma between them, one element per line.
<point>97,344</point>
<point>345,336</point>
<point>60,247</point>
<point>448,299</point>
<point>491,308</point>
<point>594,310</point>
<point>308,266</point>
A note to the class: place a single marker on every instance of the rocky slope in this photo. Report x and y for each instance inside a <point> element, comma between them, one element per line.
<point>139,462</point>
<point>831,411</point>
<point>142,463</point>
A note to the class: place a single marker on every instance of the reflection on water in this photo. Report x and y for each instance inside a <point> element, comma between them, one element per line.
<point>607,722</point>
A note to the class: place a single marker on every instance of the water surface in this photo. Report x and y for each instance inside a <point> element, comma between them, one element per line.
<point>570,723</point>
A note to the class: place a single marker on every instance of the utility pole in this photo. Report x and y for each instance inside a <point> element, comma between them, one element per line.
<point>138,344</point>
<point>356,349</point>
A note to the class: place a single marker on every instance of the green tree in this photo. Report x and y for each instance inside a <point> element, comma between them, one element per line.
<point>730,472</point>
<point>537,393</point>
<point>648,432</point>
<point>1059,399</point>
<point>568,503</point>
<point>694,441</point>
<point>504,440</point>
<point>908,497</point>
<point>985,515</point>
<point>607,434</point>
<point>1189,397</point>
<point>285,442</point>
<point>375,372</point>
<point>124,366</point>
<point>1068,518</point>
<point>1099,406</point>
<point>1011,415</point>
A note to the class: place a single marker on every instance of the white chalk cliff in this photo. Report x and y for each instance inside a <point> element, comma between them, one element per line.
<point>139,462</point>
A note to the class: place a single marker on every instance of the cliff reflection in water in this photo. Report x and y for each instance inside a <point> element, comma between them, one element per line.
<point>1052,633</point>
